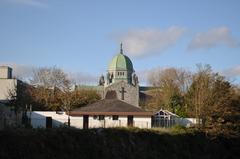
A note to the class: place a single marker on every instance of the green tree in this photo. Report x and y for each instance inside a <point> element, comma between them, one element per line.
<point>171,85</point>
<point>223,115</point>
<point>213,101</point>
<point>198,97</point>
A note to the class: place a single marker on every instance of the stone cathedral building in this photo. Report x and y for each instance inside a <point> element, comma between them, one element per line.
<point>119,106</point>
<point>121,80</point>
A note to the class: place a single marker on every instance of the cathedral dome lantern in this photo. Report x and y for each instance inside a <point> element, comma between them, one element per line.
<point>120,68</point>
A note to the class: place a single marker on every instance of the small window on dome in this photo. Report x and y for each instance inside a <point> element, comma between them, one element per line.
<point>123,73</point>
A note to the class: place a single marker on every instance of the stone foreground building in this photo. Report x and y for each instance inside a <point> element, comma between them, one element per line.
<point>8,89</point>
<point>8,84</point>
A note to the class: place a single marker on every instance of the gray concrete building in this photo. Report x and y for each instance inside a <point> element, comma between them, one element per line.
<point>7,83</point>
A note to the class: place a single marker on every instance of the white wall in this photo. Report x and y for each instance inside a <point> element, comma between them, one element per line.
<point>187,122</point>
<point>108,122</point>
<point>142,122</point>
<point>76,122</point>
<point>38,120</point>
<point>5,72</point>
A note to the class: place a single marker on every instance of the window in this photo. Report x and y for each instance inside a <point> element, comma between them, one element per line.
<point>123,73</point>
<point>101,117</point>
<point>115,117</point>
<point>95,117</point>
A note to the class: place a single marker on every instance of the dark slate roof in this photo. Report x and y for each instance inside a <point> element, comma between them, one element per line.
<point>110,107</point>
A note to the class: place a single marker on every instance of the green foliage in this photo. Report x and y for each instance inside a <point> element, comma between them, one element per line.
<point>175,102</point>
<point>178,129</point>
<point>114,143</point>
<point>181,111</point>
<point>211,97</point>
<point>204,95</point>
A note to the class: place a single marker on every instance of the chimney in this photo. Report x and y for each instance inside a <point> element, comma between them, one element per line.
<point>5,72</point>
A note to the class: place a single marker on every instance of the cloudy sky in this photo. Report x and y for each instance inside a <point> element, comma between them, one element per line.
<point>81,36</point>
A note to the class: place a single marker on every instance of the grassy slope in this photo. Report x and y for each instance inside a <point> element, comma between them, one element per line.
<point>114,144</point>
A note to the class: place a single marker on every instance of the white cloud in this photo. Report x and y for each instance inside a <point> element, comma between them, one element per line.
<point>83,78</point>
<point>144,42</point>
<point>25,73</point>
<point>212,38</point>
<point>34,3</point>
<point>143,76</point>
<point>232,72</point>
<point>21,71</point>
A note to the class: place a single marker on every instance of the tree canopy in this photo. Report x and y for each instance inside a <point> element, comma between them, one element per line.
<point>204,95</point>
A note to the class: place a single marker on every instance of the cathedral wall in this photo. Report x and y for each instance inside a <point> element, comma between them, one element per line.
<point>131,94</point>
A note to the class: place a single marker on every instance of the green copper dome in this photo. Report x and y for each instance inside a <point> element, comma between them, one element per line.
<point>120,69</point>
<point>121,62</point>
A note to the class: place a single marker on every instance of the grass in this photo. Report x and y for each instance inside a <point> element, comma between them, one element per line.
<point>114,143</point>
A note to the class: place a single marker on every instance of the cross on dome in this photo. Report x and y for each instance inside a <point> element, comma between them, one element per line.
<point>121,48</point>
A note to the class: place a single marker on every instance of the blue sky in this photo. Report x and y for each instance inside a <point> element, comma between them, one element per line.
<point>82,36</point>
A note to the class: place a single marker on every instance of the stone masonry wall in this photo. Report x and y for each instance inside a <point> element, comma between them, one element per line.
<point>131,95</point>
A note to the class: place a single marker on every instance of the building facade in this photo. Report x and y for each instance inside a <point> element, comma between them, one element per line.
<point>8,85</point>
<point>119,106</point>
<point>121,79</point>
